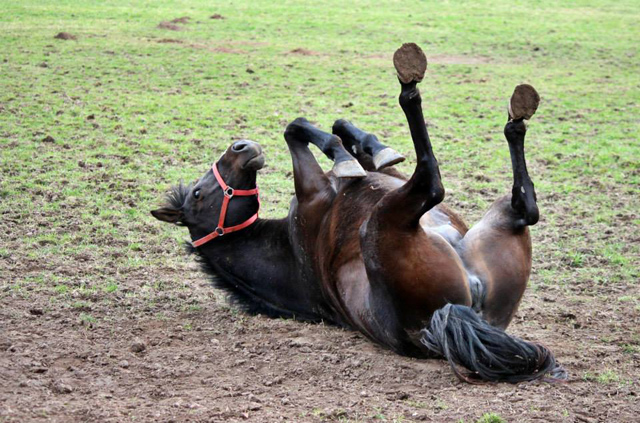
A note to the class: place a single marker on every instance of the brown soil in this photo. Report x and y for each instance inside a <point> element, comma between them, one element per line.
<point>169,41</point>
<point>178,353</point>
<point>447,59</point>
<point>440,59</point>
<point>304,52</point>
<point>217,16</point>
<point>170,26</point>
<point>182,20</point>
<point>65,36</point>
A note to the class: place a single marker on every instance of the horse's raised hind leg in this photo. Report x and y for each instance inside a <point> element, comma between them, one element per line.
<point>406,205</point>
<point>497,250</point>
<point>416,270</point>
<point>370,152</point>
<point>523,105</point>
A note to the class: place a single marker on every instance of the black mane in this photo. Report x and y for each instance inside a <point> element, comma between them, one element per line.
<point>178,195</point>
<point>237,293</point>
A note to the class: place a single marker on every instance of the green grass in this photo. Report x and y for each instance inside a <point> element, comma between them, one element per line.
<point>490,418</point>
<point>606,377</point>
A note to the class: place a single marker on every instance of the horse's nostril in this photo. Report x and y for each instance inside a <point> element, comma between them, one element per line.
<point>239,146</point>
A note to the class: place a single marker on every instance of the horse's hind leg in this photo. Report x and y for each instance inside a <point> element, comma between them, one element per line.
<point>370,152</point>
<point>417,270</point>
<point>497,250</point>
<point>406,205</point>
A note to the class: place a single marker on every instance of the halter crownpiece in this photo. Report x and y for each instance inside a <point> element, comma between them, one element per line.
<point>228,193</point>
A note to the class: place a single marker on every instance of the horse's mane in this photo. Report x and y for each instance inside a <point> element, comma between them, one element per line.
<point>178,195</point>
<point>238,295</point>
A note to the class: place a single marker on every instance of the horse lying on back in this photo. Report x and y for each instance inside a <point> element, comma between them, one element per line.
<point>366,248</point>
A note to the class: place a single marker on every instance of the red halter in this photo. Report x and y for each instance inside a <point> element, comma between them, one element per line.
<point>229,193</point>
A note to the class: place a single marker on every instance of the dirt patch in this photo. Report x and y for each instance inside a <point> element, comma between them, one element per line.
<point>170,26</point>
<point>304,52</point>
<point>169,41</point>
<point>65,36</point>
<point>182,20</point>
<point>217,16</point>
<point>447,59</point>
<point>440,59</point>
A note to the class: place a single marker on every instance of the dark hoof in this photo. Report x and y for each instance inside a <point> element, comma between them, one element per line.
<point>349,169</point>
<point>410,63</point>
<point>524,102</point>
<point>387,157</point>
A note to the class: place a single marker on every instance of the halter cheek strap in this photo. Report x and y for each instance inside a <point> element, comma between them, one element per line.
<point>229,193</point>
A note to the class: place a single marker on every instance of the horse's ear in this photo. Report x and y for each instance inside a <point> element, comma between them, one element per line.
<point>167,214</point>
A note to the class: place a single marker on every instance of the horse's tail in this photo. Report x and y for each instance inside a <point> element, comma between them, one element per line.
<point>458,334</point>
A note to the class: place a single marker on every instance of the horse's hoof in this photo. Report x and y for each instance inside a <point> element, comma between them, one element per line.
<point>387,157</point>
<point>349,169</point>
<point>524,102</point>
<point>410,63</point>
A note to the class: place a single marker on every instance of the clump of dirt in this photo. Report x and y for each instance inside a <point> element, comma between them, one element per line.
<point>182,20</point>
<point>217,16</point>
<point>48,138</point>
<point>169,41</point>
<point>170,26</point>
<point>304,52</point>
<point>65,36</point>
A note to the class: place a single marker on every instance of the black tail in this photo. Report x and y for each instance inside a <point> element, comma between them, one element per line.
<point>458,334</point>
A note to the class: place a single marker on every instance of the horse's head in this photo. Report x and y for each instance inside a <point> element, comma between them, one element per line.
<point>199,205</point>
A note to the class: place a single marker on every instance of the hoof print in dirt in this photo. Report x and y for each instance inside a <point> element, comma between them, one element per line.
<point>410,63</point>
<point>524,102</point>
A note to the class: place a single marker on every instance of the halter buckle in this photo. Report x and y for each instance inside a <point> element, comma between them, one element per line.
<point>228,192</point>
<point>219,231</point>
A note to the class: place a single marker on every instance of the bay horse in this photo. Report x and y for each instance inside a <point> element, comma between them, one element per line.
<point>364,247</point>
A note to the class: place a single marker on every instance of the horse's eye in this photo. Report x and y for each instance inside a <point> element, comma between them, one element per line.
<point>196,194</point>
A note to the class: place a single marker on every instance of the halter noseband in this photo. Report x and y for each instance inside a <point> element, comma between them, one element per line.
<point>229,193</point>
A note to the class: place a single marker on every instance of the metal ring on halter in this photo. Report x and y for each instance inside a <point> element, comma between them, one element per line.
<point>219,231</point>
<point>228,192</point>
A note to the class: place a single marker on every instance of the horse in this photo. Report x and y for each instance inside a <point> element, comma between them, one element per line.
<point>364,247</point>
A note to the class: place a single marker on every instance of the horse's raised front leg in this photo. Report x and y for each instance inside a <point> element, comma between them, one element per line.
<point>314,191</point>
<point>370,152</point>
<point>344,164</point>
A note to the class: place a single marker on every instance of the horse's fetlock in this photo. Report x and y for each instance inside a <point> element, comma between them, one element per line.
<point>409,97</point>
<point>515,129</point>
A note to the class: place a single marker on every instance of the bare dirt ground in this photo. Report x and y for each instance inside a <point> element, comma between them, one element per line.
<point>147,355</point>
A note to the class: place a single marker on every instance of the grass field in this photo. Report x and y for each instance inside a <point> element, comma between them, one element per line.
<point>94,130</point>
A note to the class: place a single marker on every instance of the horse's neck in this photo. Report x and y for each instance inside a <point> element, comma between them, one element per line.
<point>258,269</point>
